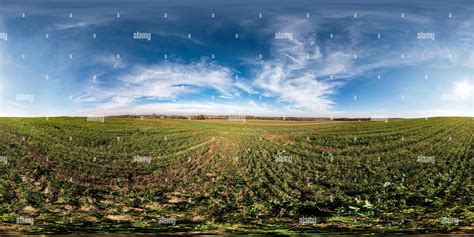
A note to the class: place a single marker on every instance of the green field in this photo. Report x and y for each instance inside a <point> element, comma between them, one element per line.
<point>128,174</point>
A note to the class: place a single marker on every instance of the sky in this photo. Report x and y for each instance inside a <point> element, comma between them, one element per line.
<point>318,58</point>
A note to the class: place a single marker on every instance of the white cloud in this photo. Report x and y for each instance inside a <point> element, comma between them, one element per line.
<point>298,70</point>
<point>110,60</point>
<point>66,26</point>
<point>165,81</point>
<point>225,97</point>
<point>296,74</point>
<point>290,75</point>
<point>193,108</point>
<point>175,79</point>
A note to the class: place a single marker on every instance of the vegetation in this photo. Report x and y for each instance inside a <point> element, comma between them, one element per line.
<point>135,174</point>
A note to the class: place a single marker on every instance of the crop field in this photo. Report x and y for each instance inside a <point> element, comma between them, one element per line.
<point>69,174</point>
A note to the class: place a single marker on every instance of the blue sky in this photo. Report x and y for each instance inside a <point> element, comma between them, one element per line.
<point>332,58</point>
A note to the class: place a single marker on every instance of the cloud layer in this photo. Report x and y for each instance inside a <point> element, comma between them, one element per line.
<point>299,59</point>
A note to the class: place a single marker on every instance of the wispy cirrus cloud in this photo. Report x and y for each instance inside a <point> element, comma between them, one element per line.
<point>311,74</point>
<point>292,73</point>
<point>165,81</point>
<point>301,73</point>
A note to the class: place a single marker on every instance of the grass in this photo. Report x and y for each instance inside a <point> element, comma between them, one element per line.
<point>164,175</point>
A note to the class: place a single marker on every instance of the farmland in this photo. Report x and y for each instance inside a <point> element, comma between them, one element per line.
<point>70,174</point>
